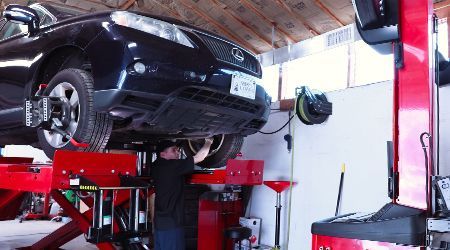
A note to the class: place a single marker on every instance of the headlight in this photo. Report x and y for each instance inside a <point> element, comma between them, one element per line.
<point>150,25</point>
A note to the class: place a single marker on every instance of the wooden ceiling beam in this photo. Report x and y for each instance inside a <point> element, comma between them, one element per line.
<point>127,4</point>
<point>172,12</point>
<point>233,16</point>
<point>220,27</point>
<point>442,9</point>
<point>297,17</point>
<point>268,20</point>
<point>328,12</point>
<point>97,2</point>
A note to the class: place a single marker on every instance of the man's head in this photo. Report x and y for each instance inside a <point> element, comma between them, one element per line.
<point>168,150</point>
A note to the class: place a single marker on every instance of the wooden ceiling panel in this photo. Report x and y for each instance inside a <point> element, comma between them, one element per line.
<point>248,22</point>
<point>342,9</point>
<point>229,18</point>
<point>315,16</point>
<point>156,7</point>
<point>87,5</point>
<point>274,11</point>
<point>261,26</point>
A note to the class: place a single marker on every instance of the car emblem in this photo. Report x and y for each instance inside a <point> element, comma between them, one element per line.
<point>237,53</point>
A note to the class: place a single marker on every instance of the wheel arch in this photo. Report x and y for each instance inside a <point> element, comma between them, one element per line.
<point>68,56</point>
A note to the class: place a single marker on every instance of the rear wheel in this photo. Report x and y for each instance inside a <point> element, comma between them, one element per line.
<point>85,125</point>
<point>224,147</point>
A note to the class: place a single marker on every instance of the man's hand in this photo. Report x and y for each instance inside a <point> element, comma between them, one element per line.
<point>209,141</point>
<point>203,152</point>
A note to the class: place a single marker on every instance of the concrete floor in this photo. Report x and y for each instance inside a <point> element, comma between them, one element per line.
<point>14,234</point>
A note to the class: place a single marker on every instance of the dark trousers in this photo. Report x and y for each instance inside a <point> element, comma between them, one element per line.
<point>172,239</point>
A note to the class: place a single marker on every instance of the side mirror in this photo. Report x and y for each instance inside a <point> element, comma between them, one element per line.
<point>22,15</point>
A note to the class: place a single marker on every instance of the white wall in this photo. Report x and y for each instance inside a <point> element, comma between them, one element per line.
<point>355,134</point>
<point>444,148</point>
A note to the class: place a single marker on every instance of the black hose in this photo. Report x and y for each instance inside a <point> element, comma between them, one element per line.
<point>278,130</point>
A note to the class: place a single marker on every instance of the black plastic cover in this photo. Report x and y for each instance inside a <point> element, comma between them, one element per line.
<point>392,223</point>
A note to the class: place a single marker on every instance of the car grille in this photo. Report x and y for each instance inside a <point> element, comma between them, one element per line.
<point>218,99</point>
<point>222,51</point>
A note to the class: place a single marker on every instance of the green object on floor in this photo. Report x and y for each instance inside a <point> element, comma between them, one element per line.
<point>70,196</point>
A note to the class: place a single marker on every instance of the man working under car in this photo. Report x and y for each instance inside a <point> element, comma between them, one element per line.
<point>168,174</point>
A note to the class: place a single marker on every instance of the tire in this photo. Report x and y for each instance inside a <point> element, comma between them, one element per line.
<point>86,125</point>
<point>224,147</point>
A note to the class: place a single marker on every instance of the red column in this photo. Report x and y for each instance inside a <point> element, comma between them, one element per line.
<point>413,95</point>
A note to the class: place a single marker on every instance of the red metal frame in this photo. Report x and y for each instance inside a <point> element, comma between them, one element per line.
<point>18,175</point>
<point>334,243</point>
<point>104,169</point>
<point>237,172</point>
<point>413,95</point>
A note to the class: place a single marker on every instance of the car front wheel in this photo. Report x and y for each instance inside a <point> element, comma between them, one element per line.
<point>85,125</point>
<point>224,147</point>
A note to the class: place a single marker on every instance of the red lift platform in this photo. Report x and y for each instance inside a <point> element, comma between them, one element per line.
<point>118,200</point>
<point>108,177</point>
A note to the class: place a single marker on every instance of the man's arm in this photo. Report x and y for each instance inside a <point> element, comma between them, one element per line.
<point>203,152</point>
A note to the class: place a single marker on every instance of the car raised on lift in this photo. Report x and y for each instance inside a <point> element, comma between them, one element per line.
<point>121,77</point>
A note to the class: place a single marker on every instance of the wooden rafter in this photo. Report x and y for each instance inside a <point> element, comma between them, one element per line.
<point>442,9</point>
<point>268,20</point>
<point>297,17</point>
<point>127,4</point>
<point>328,12</point>
<point>219,26</point>
<point>235,17</point>
<point>101,3</point>
<point>172,12</point>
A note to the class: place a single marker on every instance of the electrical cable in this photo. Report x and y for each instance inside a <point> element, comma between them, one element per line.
<point>291,181</point>
<point>424,147</point>
<point>278,130</point>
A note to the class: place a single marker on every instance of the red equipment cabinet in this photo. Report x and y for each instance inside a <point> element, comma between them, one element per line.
<point>220,210</point>
<point>217,211</point>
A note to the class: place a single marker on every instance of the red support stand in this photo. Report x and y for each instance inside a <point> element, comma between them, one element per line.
<point>279,187</point>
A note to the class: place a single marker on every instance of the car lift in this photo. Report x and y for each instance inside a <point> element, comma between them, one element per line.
<point>118,208</point>
<point>110,177</point>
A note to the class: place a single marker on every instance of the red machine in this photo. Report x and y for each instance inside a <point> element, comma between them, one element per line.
<point>401,224</point>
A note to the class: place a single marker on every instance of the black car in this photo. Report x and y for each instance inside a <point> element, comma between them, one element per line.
<point>119,77</point>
